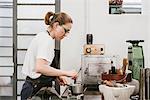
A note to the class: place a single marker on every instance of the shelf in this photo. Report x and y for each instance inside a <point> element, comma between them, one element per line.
<point>5,17</point>
<point>26,34</point>
<point>31,19</point>
<point>6,37</point>
<point>34,4</point>
<point>6,46</point>
<point>6,66</point>
<point>22,49</point>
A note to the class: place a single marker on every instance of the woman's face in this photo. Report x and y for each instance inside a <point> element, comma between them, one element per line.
<point>62,31</point>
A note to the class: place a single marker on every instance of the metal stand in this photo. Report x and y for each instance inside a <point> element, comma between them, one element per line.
<point>6,63</point>
<point>16,35</point>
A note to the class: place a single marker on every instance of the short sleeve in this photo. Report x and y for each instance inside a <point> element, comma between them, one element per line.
<point>45,50</point>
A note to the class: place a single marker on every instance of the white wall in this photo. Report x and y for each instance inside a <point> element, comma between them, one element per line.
<point>114,30</point>
<point>111,30</point>
<point>148,13</point>
<point>71,46</point>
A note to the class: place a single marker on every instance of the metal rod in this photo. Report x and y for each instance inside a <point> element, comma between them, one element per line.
<point>20,79</point>
<point>57,9</point>
<point>57,43</point>
<point>26,34</point>
<point>19,64</point>
<point>22,49</point>
<point>37,19</point>
<point>34,4</point>
<point>15,49</point>
<point>5,17</point>
<point>5,46</point>
<point>6,56</point>
<point>6,37</point>
<point>5,2</point>
<point>6,27</point>
<point>6,65</point>
<point>6,7</point>
<point>5,75</point>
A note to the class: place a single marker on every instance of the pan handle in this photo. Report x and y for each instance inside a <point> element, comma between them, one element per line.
<point>84,89</point>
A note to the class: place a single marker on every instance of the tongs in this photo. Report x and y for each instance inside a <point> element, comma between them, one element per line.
<point>77,74</point>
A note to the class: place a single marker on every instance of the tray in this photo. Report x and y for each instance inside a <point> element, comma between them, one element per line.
<point>115,77</point>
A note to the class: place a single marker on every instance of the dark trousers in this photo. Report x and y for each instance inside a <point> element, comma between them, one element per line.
<point>32,86</point>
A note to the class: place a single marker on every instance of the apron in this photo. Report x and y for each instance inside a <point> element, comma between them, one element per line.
<point>32,86</point>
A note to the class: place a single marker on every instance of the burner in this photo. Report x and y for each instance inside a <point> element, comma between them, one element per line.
<point>76,97</point>
<point>91,92</point>
<point>67,94</point>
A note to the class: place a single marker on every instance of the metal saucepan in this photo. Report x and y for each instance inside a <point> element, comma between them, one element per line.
<point>76,89</point>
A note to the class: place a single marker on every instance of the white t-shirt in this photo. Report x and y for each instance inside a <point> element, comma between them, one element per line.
<point>42,46</point>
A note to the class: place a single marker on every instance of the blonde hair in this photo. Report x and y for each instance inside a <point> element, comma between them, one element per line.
<point>61,18</point>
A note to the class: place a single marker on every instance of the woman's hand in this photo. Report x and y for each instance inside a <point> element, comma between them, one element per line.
<point>72,74</point>
<point>62,80</point>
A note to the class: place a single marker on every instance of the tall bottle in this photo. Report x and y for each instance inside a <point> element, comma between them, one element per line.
<point>113,69</point>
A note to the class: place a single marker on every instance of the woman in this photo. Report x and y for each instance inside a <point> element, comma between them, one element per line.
<point>40,64</point>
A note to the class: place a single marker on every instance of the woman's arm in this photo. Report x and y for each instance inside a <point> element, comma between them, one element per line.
<point>43,68</point>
